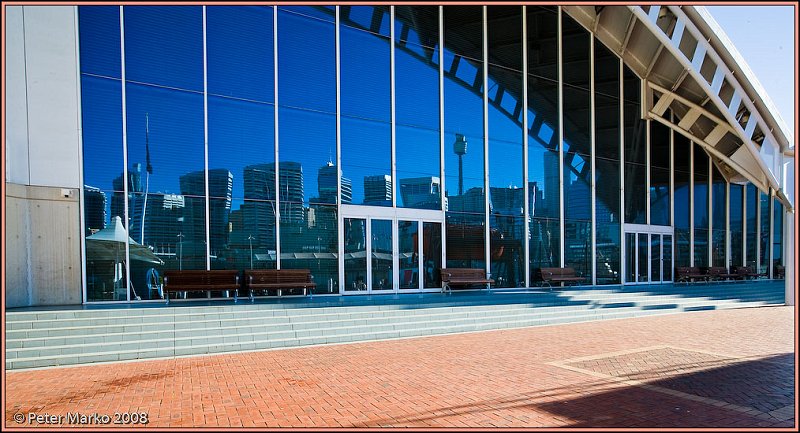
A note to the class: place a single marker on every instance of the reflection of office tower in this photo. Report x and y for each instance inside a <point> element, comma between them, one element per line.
<point>162,223</point>
<point>259,184</point>
<point>534,199</point>
<point>378,190</point>
<point>471,201</point>
<point>220,186</point>
<point>421,192</point>
<point>579,201</point>
<point>460,149</point>
<point>326,185</point>
<point>135,199</point>
<point>94,209</point>
<point>507,201</point>
<point>551,184</point>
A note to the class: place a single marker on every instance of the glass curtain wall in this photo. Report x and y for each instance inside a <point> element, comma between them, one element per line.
<point>737,224</point>
<point>101,107</point>
<point>543,124</point>
<point>751,226</point>
<point>701,215</point>
<point>307,143</point>
<point>682,148</point>
<point>635,150</point>
<point>719,243</point>
<point>464,136</point>
<point>241,116</point>
<point>506,177</point>
<point>417,154</point>
<point>577,145</point>
<point>607,164</point>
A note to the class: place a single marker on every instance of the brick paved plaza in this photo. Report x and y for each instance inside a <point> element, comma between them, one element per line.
<point>732,368</point>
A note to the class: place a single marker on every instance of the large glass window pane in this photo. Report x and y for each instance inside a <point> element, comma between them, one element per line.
<point>100,40</point>
<point>630,257</point>
<point>701,214</point>
<point>643,250</point>
<point>164,46</point>
<point>764,260</point>
<point>241,136</point>
<point>366,111</point>
<point>464,156</point>
<point>655,258</point>
<point>432,254</point>
<point>635,151</point>
<point>751,225</point>
<point>737,225</point>
<point>719,191</point>
<point>682,150</point>
<point>418,157</point>
<point>506,190</point>
<point>577,147</point>
<point>667,255</point>
<point>607,164</point>
<point>777,242</point>
<point>407,242</point>
<point>382,261</point>
<point>659,174</point>
<point>313,244</point>
<point>543,140</point>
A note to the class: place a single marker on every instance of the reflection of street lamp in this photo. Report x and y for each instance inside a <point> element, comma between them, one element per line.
<point>250,238</point>
<point>180,251</point>
<point>460,149</point>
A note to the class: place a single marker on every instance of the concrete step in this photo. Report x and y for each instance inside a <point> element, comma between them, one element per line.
<point>217,346</point>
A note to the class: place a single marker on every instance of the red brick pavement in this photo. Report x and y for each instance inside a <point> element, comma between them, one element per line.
<point>558,376</point>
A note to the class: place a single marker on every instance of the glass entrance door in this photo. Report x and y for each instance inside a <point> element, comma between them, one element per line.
<point>648,257</point>
<point>390,253</point>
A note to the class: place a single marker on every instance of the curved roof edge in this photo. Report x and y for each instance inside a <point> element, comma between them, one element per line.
<point>717,37</point>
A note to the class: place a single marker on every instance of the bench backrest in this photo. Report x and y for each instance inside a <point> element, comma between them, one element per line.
<point>451,274</point>
<point>276,276</point>
<point>201,277</point>
<point>743,270</point>
<point>681,271</point>
<point>716,270</point>
<point>549,273</point>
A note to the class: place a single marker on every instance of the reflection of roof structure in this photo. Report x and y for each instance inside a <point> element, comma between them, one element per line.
<point>693,70</point>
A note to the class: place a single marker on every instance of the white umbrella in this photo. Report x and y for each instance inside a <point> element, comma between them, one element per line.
<point>109,244</point>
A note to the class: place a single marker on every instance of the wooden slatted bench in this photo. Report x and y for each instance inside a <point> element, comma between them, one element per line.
<point>747,272</point>
<point>689,273</point>
<point>464,277</point>
<point>716,273</point>
<point>558,275</point>
<point>201,281</point>
<point>278,280</point>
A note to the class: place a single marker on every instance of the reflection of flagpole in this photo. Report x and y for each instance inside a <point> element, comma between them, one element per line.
<point>149,169</point>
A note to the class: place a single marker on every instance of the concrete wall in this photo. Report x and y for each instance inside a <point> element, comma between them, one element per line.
<point>43,162</point>
<point>43,264</point>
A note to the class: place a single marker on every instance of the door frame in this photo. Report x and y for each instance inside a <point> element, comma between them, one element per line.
<point>370,213</point>
<point>650,230</point>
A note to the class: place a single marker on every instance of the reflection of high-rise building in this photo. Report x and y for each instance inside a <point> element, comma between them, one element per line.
<point>471,201</point>
<point>94,205</point>
<point>259,184</point>
<point>507,201</point>
<point>163,221</point>
<point>551,185</point>
<point>135,200</point>
<point>378,190</point>
<point>327,182</point>
<point>220,186</point>
<point>578,201</point>
<point>421,192</point>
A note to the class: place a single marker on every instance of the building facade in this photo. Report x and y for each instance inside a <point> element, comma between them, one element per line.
<point>620,159</point>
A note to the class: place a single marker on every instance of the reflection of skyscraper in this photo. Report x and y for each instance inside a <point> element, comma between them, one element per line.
<point>326,185</point>
<point>421,192</point>
<point>162,223</point>
<point>220,186</point>
<point>378,190</point>
<point>471,201</point>
<point>94,208</point>
<point>507,201</point>
<point>551,184</point>
<point>259,184</point>
<point>135,199</point>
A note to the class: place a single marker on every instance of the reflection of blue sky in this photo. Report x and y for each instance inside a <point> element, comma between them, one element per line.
<point>164,46</point>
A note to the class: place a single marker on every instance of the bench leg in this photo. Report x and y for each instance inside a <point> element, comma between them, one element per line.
<point>252,298</point>
<point>235,295</point>
<point>166,297</point>
<point>280,292</point>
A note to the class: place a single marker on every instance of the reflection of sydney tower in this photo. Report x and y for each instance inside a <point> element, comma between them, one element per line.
<point>460,149</point>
